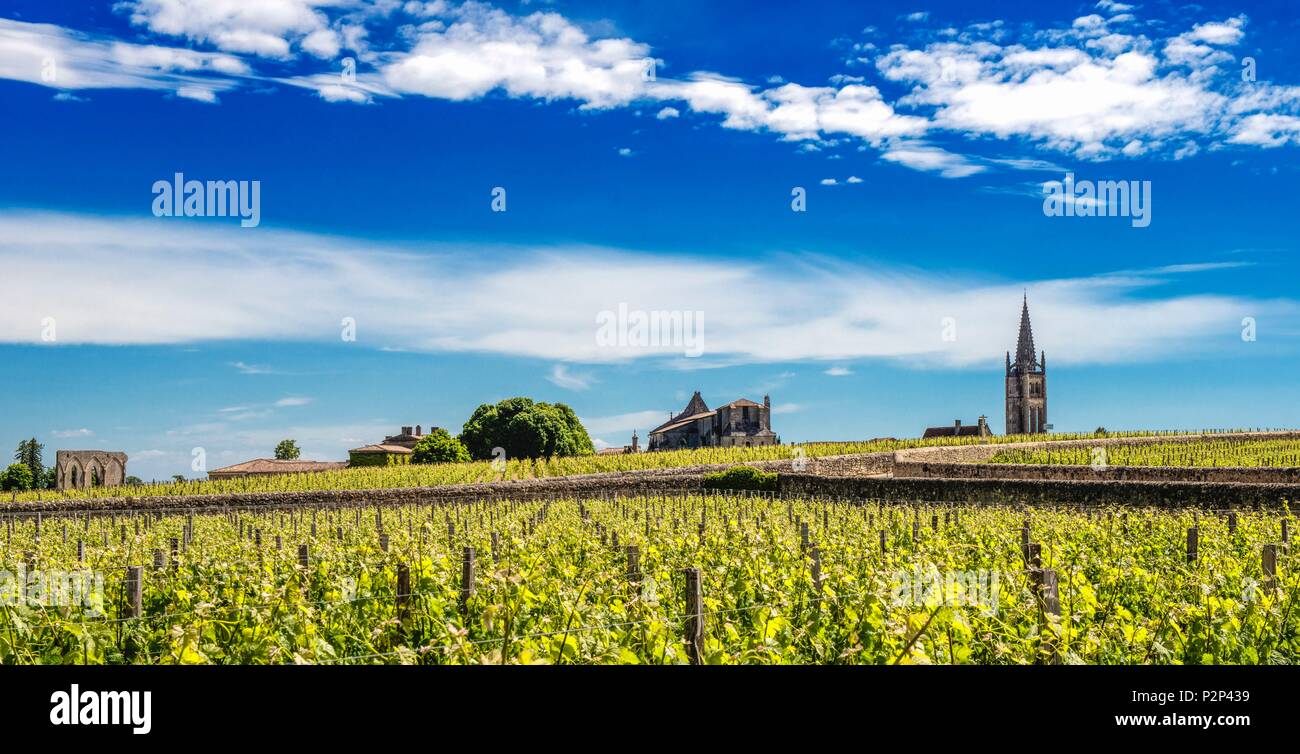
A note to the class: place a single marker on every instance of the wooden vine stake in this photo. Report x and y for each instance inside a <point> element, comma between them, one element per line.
<point>134,591</point>
<point>694,616</point>
<point>1193,541</point>
<point>815,554</point>
<point>403,591</point>
<point>466,579</point>
<point>1269,563</point>
<point>634,569</point>
<point>1045,581</point>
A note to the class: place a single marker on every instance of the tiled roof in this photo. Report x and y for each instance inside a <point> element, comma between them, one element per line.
<point>277,466</point>
<point>967,430</point>
<point>381,448</point>
<point>679,421</point>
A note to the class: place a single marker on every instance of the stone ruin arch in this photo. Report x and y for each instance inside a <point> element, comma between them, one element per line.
<point>80,469</point>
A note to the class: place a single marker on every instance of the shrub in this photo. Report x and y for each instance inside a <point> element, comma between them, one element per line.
<point>17,477</point>
<point>740,478</point>
<point>439,447</point>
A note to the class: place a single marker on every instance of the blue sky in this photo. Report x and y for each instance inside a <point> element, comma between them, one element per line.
<point>920,134</point>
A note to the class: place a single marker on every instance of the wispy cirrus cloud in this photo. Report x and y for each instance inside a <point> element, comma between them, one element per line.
<point>561,376</point>
<point>285,286</point>
<point>69,433</point>
<point>245,368</point>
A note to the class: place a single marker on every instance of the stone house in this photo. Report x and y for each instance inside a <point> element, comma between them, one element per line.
<point>741,423</point>
<point>395,449</point>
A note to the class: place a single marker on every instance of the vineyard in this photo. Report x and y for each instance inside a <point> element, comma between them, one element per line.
<point>1235,452</point>
<point>484,471</point>
<point>710,579</point>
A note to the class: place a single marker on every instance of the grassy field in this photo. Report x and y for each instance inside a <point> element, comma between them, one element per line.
<point>483,471</point>
<point>1217,452</point>
<point>555,583</point>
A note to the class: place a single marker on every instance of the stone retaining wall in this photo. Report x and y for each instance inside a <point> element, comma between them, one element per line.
<point>1248,475</point>
<point>984,451</point>
<point>1045,492</point>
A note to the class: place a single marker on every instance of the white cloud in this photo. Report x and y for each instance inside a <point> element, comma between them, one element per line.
<point>829,182</point>
<point>541,55</point>
<point>52,56</point>
<point>200,93</point>
<point>787,408</point>
<point>560,376</point>
<point>853,179</point>
<point>1086,90</point>
<point>638,421</point>
<point>259,27</point>
<point>625,152</point>
<point>838,372</point>
<point>154,288</point>
<point>252,368</point>
<point>68,433</point>
<point>1225,33</point>
<point>293,400</point>
<point>1267,130</point>
<point>920,156</point>
<point>1095,88</point>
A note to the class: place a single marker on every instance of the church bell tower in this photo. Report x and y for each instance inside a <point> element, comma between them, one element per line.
<point>1026,383</point>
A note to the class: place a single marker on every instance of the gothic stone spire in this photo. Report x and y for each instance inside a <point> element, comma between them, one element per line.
<point>1025,357</point>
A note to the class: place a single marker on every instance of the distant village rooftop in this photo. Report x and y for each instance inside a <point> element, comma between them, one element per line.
<point>260,466</point>
<point>957,429</point>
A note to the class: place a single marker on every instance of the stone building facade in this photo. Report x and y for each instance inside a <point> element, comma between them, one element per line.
<point>79,469</point>
<point>395,449</point>
<point>741,423</point>
<point>1026,383</point>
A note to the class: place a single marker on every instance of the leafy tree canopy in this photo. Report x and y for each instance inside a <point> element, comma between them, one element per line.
<point>525,428</point>
<point>287,450</point>
<point>439,447</point>
<point>29,455</point>
<point>16,477</point>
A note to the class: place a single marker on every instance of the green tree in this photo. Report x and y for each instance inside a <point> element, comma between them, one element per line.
<point>29,455</point>
<point>133,480</point>
<point>287,450</point>
<point>525,428</point>
<point>439,447</point>
<point>178,478</point>
<point>17,477</point>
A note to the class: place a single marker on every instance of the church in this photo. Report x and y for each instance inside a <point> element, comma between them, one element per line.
<point>741,423</point>
<point>1026,383</point>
